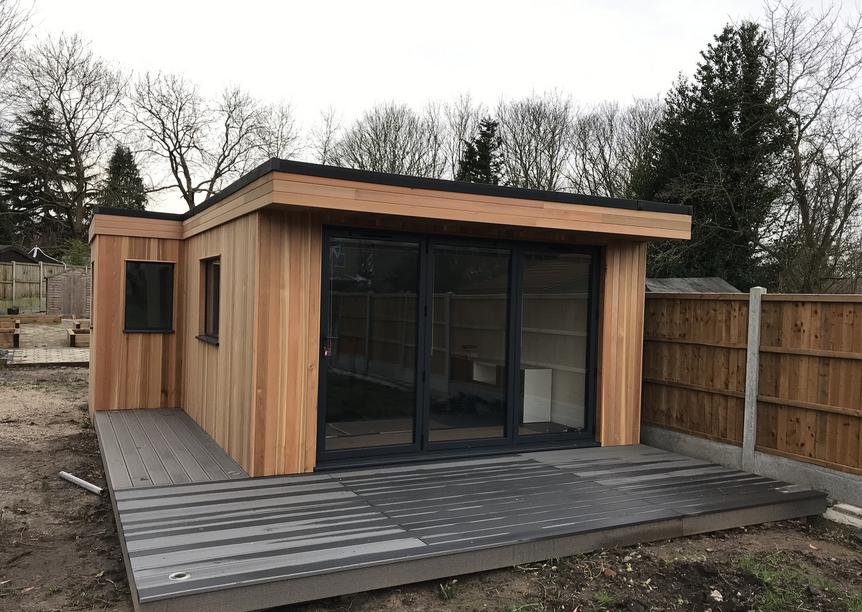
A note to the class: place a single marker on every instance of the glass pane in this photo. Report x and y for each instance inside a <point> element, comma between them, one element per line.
<point>468,348</point>
<point>370,349</point>
<point>149,296</point>
<point>212,280</point>
<point>554,327</point>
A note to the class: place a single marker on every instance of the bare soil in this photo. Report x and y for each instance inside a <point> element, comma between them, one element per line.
<point>59,549</point>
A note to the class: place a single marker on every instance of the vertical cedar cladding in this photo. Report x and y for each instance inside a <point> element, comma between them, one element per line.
<point>621,343</point>
<point>288,339</point>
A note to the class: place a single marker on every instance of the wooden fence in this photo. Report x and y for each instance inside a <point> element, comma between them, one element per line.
<point>22,285</point>
<point>807,372</point>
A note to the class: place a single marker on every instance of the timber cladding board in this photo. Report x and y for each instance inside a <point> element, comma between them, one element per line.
<point>131,370</point>
<point>288,339</point>
<point>351,196</point>
<point>116,225</point>
<point>620,344</point>
<point>218,380</point>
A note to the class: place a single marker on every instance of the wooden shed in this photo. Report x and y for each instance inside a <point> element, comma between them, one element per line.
<point>311,316</point>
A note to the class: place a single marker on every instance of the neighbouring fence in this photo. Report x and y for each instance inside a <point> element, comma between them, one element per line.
<point>23,285</point>
<point>802,375</point>
<point>69,293</point>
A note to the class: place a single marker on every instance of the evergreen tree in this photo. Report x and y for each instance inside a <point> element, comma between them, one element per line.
<point>719,149</point>
<point>33,166</point>
<point>480,162</point>
<point>123,187</point>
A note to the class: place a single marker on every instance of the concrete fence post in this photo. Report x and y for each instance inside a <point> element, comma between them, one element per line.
<point>752,376</point>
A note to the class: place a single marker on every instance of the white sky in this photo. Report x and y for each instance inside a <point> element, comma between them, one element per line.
<point>351,54</point>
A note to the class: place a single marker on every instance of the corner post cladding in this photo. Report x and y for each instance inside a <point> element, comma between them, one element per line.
<point>621,343</point>
<point>287,324</point>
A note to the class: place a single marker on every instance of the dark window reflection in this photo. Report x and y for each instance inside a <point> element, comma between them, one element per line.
<point>149,303</point>
<point>468,355</point>
<point>554,328</point>
<point>370,349</point>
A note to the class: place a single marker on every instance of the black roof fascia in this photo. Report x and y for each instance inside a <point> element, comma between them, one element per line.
<point>143,214</point>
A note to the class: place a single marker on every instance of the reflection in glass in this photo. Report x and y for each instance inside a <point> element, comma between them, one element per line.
<point>554,327</point>
<point>370,348</point>
<point>468,348</point>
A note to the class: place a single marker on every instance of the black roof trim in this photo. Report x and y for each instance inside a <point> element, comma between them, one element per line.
<point>143,214</point>
<point>412,182</point>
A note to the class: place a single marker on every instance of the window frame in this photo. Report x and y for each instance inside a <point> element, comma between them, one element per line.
<point>210,305</point>
<point>172,267</point>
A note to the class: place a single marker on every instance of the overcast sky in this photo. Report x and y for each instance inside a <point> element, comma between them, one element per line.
<point>352,54</point>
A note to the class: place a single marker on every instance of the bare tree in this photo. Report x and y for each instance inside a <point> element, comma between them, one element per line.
<point>170,114</point>
<point>207,144</point>
<point>14,28</point>
<point>462,121</point>
<point>234,146</point>
<point>819,63</point>
<point>279,135</point>
<point>325,136</point>
<point>610,147</point>
<point>84,95</point>
<point>393,138</point>
<point>536,135</point>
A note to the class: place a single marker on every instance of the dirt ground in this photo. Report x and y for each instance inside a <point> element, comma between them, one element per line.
<point>59,550</point>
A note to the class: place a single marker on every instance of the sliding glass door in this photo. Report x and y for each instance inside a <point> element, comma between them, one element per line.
<point>369,344</point>
<point>431,344</point>
<point>468,343</point>
<point>554,334</point>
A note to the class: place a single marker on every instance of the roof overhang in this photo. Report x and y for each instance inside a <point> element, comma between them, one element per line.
<point>311,186</point>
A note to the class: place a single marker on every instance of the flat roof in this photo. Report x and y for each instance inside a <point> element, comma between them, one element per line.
<point>401,180</point>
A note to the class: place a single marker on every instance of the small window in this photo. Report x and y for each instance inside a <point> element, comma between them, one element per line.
<point>149,297</point>
<point>212,284</point>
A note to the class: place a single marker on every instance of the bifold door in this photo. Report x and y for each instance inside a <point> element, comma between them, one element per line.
<point>431,344</point>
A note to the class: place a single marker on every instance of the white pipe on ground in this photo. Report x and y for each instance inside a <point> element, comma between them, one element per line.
<point>81,483</point>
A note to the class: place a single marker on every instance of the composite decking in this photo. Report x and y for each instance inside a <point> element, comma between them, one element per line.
<point>142,448</point>
<point>249,543</point>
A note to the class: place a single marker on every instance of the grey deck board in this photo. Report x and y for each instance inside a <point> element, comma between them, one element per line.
<point>268,541</point>
<point>115,466</point>
<point>181,421</point>
<point>174,469</point>
<point>153,461</point>
<point>129,451</point>
<point>159,447</point>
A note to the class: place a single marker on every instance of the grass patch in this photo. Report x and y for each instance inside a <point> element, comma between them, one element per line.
<point>785,586</point>
<point>446,591</point>
<point>603,599</point>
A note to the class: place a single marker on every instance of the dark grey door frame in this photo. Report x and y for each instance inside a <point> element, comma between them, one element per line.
<point>511,441</point>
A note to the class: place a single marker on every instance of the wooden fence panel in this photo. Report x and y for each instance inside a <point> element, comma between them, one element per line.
<point>810,392</point>
<point>809,400</point>
<point>23,285</point>
<point>694,364</point>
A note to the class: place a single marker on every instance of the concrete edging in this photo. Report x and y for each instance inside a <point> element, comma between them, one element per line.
<point>840,486</point>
